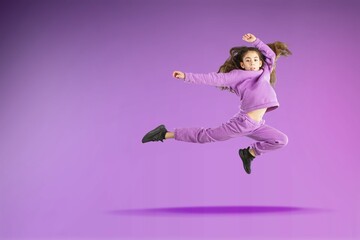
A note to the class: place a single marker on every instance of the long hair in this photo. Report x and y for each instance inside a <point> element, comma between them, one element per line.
<point>237,54</point>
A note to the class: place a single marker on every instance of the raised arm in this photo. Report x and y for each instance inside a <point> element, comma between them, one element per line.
<point>264,49</point>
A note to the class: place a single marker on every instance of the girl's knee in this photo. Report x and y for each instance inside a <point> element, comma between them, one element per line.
<point>282,141</point>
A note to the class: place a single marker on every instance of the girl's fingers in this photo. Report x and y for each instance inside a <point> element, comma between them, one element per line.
<point>177,74</point>
<point>247,36</point>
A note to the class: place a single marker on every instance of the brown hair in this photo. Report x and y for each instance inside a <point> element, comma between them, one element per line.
<point>280,49</point>
<point>237,55</point>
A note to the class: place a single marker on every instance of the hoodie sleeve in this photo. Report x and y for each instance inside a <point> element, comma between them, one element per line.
<point>266,51</point>
<point>220,79</point>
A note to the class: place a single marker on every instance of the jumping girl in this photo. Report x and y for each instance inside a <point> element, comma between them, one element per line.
<point>249,72</point>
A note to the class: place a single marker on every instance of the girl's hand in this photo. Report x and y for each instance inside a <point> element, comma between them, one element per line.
<point>249,38</point>
<point>178,74</point>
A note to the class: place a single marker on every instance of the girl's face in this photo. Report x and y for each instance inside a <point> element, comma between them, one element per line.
<point>251,61</point>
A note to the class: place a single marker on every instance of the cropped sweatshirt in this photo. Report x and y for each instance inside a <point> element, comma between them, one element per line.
<point>252,87</point>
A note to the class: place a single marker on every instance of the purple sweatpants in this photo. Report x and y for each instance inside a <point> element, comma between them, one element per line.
<point>268,138</point>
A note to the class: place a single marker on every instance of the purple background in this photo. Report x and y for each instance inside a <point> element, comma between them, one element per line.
<point>82,81</point>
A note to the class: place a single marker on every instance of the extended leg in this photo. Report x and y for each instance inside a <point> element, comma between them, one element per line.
<point>235,127</point>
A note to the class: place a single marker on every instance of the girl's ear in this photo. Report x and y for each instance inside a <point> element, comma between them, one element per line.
<point>242,65</point>
<point>261,63</point>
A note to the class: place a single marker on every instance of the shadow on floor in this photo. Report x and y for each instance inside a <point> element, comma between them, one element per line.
<point>217,210</point>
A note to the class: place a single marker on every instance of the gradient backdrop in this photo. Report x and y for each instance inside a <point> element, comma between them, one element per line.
<point>81,82</point>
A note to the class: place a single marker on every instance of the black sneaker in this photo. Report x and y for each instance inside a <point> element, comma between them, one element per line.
<point>157,134</point>
<point>246,158</point>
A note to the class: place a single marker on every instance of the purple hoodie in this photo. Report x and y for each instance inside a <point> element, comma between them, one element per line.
<point>253,87</point>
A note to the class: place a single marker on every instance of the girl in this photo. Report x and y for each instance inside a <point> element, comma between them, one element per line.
<point>249,72</point>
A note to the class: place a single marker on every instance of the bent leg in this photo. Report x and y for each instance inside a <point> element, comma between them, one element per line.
<point>268,138</point>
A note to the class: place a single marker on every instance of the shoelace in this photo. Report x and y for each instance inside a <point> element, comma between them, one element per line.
<point>158,137</point>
